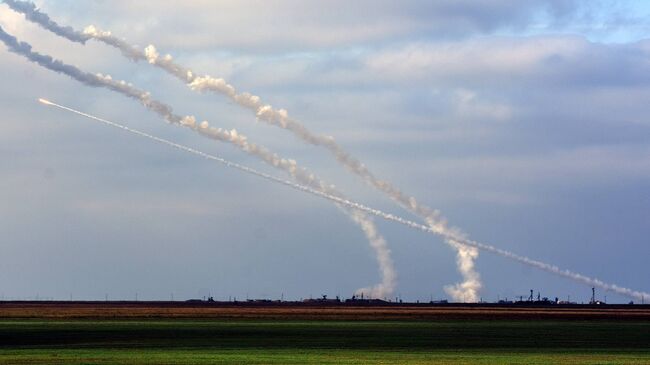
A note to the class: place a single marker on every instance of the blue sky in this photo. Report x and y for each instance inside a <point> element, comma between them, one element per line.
<point>524,122</point>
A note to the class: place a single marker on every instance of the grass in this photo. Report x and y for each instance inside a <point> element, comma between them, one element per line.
<point>202,356</point>
<point>323,342</point>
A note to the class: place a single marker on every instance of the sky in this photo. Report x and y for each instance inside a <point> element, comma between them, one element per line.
<point>523,122</point>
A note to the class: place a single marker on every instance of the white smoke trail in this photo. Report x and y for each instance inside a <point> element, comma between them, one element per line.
<point>377,242</point>
<point>639,295</point>
<point>468,290</point>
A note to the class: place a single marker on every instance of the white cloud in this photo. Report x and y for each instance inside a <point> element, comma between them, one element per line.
<point>584,166</point>
<point>290,24</point>
<point>468,106</point>
<point>485,58</point>
<point>11,21</point>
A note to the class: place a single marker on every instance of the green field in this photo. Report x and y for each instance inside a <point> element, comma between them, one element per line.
<point>323,342</point>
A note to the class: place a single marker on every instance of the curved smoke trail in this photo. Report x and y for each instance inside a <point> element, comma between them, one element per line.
<point>639,295</point>
<point>377,242</point>
<point>468,290</point>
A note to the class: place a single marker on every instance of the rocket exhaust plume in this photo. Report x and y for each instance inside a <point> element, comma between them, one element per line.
<point>468,290</point>
<point>639,295</point>
<point>377,242</point>
<point>46,102</point>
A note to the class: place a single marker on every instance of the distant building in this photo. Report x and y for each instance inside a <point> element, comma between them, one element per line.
<point>322,300</point>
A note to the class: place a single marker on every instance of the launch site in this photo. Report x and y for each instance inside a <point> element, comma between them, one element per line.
<point>309,182</point>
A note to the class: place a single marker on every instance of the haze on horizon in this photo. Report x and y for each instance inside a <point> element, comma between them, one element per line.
<point>523,121</point>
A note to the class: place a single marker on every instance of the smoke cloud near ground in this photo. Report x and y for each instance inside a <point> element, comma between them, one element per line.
<point>639,295</point>
<point>377,242</point>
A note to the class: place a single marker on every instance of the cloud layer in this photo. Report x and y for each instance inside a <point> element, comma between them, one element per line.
<point>493,112</point>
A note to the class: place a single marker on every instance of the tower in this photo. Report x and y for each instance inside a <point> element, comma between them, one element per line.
<point>593,295</point>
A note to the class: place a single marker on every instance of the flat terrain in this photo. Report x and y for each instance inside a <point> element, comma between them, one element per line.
<point>299,311</point>
<point>166,333</point>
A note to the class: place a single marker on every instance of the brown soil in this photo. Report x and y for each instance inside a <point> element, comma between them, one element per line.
<point>288,311</point>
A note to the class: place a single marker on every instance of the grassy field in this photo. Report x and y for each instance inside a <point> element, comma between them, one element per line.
<point>163,341</point>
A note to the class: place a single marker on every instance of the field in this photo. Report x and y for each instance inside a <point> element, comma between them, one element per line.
<point>146,333</point>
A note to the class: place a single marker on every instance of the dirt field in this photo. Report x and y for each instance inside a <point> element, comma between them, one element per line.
<point>274,311</point>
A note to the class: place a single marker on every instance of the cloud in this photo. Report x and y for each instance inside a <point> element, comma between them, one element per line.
<point>568,61</point>
<point>474,60</point>
<point>13,22</point>
<point>596,165</point>
<point>256,25</point>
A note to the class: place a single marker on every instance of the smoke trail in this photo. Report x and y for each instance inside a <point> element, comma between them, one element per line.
<point>377,242</point>
<point>468,290</point>
<point>639,295</point>
<point>465,291</point>
<point>32,14</point>
<point>382,252</point>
